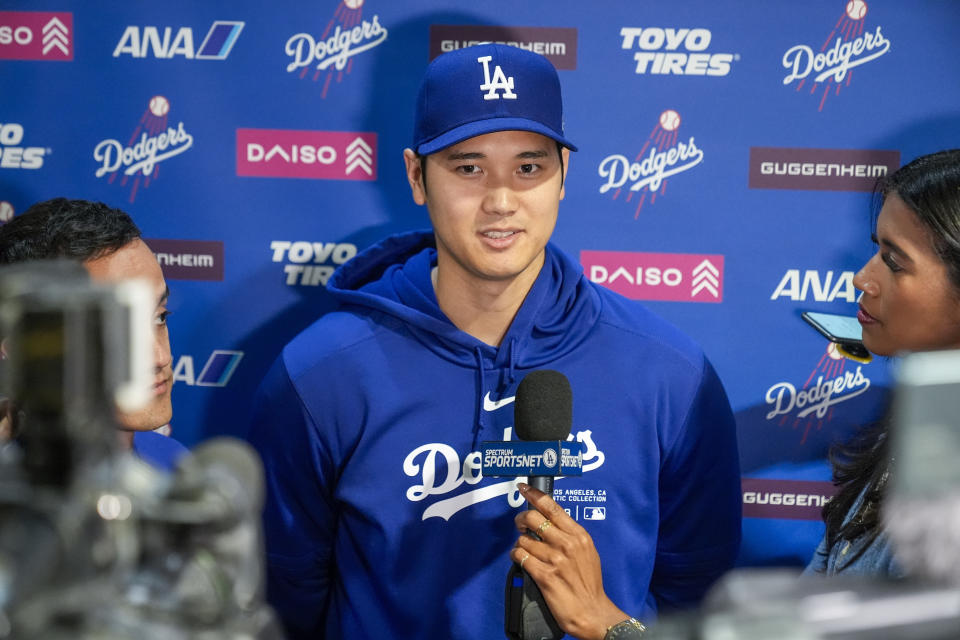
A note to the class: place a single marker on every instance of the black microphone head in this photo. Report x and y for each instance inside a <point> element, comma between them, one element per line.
<point>543,409</point>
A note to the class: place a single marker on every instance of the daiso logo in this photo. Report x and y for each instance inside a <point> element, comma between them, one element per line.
<point>320,155</point>
<point>36,35</point>
<point>676,277</point>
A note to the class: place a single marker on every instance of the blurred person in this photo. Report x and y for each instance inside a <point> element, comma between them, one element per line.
<point>109,245</point>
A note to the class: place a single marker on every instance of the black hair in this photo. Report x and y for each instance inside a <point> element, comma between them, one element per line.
<point>423,165</point>
<point>60,228</point>
<point>930,187</point>
<point>861,466</point>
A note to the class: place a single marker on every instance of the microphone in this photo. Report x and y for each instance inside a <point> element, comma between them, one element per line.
<point>543,411</point>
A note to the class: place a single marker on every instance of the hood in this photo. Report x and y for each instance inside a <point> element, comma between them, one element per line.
<point>393,277</point>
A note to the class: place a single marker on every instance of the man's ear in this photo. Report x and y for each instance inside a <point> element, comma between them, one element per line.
<point>415,176</point>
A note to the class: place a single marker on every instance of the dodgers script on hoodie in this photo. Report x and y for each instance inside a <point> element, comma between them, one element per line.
<point>378,521</point>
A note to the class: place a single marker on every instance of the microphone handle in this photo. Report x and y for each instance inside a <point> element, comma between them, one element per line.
<point>527,616</point>
<point>543,483</point>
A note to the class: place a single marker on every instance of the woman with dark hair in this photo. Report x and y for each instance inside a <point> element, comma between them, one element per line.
<point>910,302</point>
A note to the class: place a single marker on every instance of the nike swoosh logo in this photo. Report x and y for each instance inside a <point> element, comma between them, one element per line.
<point>493,405</point>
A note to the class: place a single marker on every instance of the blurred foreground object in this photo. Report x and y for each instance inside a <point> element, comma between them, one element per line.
<point>95,543</point>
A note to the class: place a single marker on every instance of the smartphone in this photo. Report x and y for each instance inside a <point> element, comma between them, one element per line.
<point>844,331</point>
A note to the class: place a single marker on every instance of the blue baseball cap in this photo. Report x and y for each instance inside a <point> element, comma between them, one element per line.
<point>485,88</point>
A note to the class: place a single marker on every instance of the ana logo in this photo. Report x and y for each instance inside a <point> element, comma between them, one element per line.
<point>557,44</point>
<point>188,259</point>
<point>819,169</point>
<point>831,64</point>
<point>797,287</point>
<point>814,401</point>
<point>679,52</point>
<point>440,471</point>
<point>500,81</point>
<point>677,277</point>
<point>36,35</point>
<point>347,34</point>
<point>217,371</point>
<point>141,158</point>
<point>660,157</point>
<point>13,155</point>
<point>140,42</point>
<point>319,155</point>
<point>312,263</point>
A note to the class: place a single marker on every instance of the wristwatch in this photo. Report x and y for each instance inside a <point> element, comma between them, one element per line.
<point>629,629</point>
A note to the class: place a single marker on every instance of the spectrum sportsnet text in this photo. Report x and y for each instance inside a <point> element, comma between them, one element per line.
<point>672,51</point>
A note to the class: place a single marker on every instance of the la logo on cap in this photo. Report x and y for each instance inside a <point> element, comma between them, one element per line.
<point>500,81</point>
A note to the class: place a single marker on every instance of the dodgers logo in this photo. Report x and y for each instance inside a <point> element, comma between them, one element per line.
<point>832,64</point>
<point>661,156</point>
<point>814,401</point>
<point>153,141</point>
<point>441,472</point>
<point>332,52</point>
<point>499,81</point>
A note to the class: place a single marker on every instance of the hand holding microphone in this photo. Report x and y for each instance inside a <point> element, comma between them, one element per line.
<point>565,565</point>
<point>555,585</point>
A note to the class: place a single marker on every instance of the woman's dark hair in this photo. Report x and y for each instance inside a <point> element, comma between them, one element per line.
<point>60,228</point>
<point>862,462</point>
<point>930,187</point>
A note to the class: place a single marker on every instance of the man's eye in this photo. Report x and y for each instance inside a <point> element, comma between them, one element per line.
<point>161,319</point>
<point>529,168</point>
<point>468,169</point>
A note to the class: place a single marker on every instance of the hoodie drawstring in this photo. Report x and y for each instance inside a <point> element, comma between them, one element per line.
<point>478,423</point>
<point>511,359</point>
<point>481,374</point>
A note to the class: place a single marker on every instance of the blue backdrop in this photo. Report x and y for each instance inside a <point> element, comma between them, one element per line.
<point>727,152</point>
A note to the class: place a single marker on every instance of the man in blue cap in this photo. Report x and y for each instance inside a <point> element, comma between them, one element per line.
<point>379,523</point>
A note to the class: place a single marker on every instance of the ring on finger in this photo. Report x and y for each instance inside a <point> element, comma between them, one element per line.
<point>543,525</point>
<point>524,560</point>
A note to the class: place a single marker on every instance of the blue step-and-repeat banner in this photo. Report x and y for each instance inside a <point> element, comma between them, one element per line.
<point>727,155</point>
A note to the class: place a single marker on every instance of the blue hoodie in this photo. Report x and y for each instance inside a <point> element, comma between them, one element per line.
<point>378,522</point>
